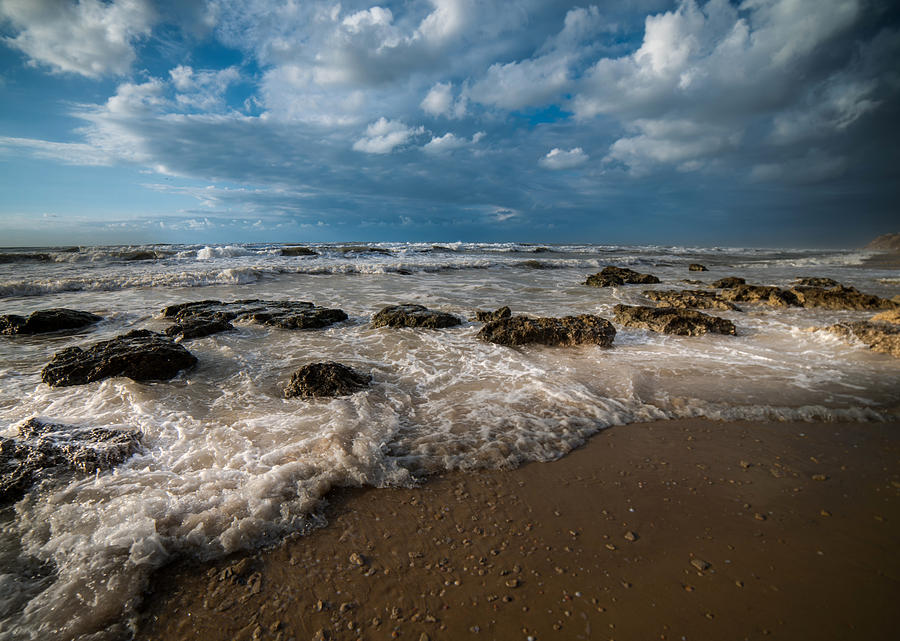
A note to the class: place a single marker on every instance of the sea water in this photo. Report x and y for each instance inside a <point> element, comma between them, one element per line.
<point>228,464</point>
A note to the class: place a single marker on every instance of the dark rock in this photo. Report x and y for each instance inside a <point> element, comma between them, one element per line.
<point>728,282</point>
<point>613,276</point>
<point>361,249</point>
<point>211,316</point>
<point>140,255</point>
<point>681,322</point>
<point>761,294</point>
<point>413,316</point>
<point>141,355</point>
<point>690,298</point>
<point>325,379</point>
<point>568,330</point>
<point>43,449</point>
<point>298,251</point>
<point>488,317</point>
<point>534,264</point>
<point>16,257</point>
<point>697,267</point>
<point>47,320</point>
<point>197,328</point>
<point>839,297</point>
<point>814,281</point>
<point>880,337</point>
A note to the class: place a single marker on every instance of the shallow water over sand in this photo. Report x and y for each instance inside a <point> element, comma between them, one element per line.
<point>227,463</point>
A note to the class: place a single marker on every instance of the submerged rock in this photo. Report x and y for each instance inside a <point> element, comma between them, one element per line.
<point>47,320</point>
<point>690,298</point>
<point>880,337</point>
<point>45,448</point>
<point>816,281</point>
<point>487,317</point>
<point>140,355</point>
<point>325,379</point>
<point>761,294</point>
<point>839,297</point>
<point>681,322</point>
<point>729,282</point>
<point>568,330</point>
<point>409,315</point>
<point>697,267</point>
<point>298,251</point>
<point>614,276</point>
<point>202,318</point>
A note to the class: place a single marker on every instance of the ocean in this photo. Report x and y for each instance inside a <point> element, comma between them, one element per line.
<point>226,463</point>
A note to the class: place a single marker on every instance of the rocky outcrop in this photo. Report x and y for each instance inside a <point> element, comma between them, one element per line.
<point>298,251</point>
<point>839,297</point>
<point>886,242</point>
<point>690,298</point>
<point>409,315</point>
<point>826,296</point>
<point>681,322</point>
<point>43,449</point>
<point>488,317</point>
<point>892,317</point>
<point>47,320</point>
<point>880,337</point>
<point>202,318</point>
<point>762,294</point>
<point>565,331</point>
<point>816,281</point>
<point>697,267</point>
<point>325,379</point>
<point>140,355</point>
<point>615,276</point>
<point>728,282</point>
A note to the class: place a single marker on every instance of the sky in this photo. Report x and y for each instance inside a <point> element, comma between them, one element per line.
<point>753,123</point>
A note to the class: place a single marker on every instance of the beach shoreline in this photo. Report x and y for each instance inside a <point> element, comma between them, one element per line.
<point>689,529</point>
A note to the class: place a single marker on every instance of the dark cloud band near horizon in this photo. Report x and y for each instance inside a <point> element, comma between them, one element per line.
<point>762,122</point>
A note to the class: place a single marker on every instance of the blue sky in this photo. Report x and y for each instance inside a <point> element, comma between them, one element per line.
<point>761,122</point>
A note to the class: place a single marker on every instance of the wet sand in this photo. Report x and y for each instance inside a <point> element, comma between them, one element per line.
<point>671,530</point>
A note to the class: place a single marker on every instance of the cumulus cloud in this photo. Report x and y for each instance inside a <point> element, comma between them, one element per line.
<point>439,101</point>
<point>449,142</point>
<point>383,136</point>
<point>706,75</point>
<point>87,37</point>
<point>544,76</point>
<point>560,159</point>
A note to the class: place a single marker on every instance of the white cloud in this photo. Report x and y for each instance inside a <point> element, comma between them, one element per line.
<point>383,136</point>
<point>546,75</point>
<point>704,75</point>
<point>70,153</point>
<point>203,90</point>
<point>88,37</point>
<point>447,21</point>
<point>449,142</point>
<point>560,159</point>
<point>439,101</point>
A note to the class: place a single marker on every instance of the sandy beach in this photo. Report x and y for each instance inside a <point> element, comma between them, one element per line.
<point>686,529</point>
